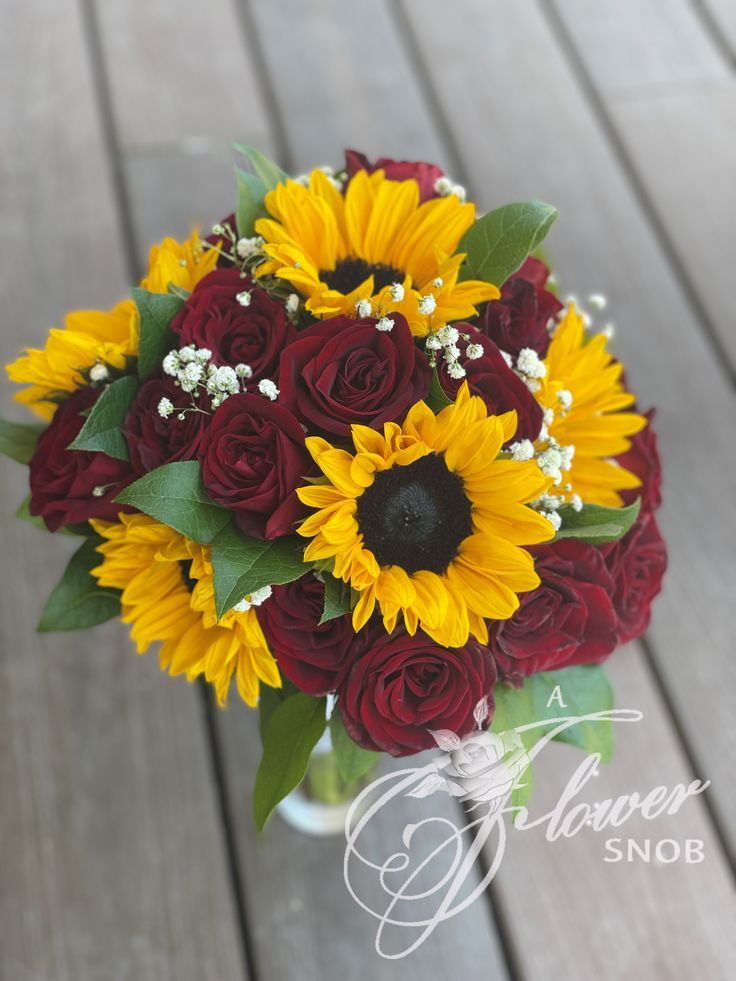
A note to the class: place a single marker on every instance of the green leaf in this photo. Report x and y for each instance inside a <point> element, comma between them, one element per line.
<point>352,760</point>
<point>18,440</point>
<point>24,513</point>
<point>269,700</point>
<point>78,601</point>
<point>241,565</point>
<point>597,525</point>
<point>101,430</point>
<point>251,191</point>
<point>499,242</point>
<point>290,734</point>
<point>436,398</point>
<point>338,598</point>
<point>270,173</point>
<point>585,689</point>
<point>156,311</point>
<point>175,495</point>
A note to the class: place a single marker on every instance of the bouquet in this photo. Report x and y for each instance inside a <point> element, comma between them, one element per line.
<point>353,451</point>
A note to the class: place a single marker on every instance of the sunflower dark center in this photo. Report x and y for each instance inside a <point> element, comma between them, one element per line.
<point>349,273</point>
<point>185,567</point>
<point>415,516</point>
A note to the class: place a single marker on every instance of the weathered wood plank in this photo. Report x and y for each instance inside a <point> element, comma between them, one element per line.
<point>674,114</point>
<point>111,857</point>
<point>530,133</point>
<point>301,919</point>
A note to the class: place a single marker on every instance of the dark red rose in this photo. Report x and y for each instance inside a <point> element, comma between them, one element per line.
<point>400,687</point>
<point>568,619</point>
<point>520,316</point>
<point>214,318</point>
<point>253,457</point>
<point>343,371</point>
<point>500,388</point>
<point>425,174</point>
<point>637,564</point>
<point>153,440</point>
<point>312,655</point>
<point>63,481</point>
<point>643,460</point>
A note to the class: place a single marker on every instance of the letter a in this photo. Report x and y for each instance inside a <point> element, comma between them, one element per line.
<point>556,696</point>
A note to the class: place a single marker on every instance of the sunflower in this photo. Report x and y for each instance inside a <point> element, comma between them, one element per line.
<point>107,337</point>
<point>338,249</point>
<point>585,395</point>
<point>168,597</point>
<point>426,521</point>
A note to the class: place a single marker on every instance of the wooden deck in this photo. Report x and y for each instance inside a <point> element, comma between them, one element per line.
<point>126,845</point>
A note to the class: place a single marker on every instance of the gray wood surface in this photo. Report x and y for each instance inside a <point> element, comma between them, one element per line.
<point>674,116</point>
<point>545,141</point>
<point>111,855</point>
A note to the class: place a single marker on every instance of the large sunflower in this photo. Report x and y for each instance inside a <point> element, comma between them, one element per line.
<point>338,249</point>
<point>168,597</point>
<point>105,336</point>
<point>426,521</point>
<point>584,390</point>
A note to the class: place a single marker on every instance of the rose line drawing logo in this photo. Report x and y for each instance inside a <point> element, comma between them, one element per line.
<point>436,867</point>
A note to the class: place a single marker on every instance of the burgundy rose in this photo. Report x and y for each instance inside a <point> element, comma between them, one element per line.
<point>214,318</point>
<point>643,460</point>
<point>520,316</point>
<point>69,487</point>
<point>637,564</point>
<point>500,388</point>
<point>253,457</point>
<point>312,655</point>
<point>153,440</point>
<point>425,174</point>
<point>343,371</point>
<point>568,619</point>
<point>400,687</point>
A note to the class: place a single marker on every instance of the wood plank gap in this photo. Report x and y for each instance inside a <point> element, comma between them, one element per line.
<point>229,835</point>
<point>566,42</point>
<point>269,97</point>
<point>111,142</point>
<point>713,30</point>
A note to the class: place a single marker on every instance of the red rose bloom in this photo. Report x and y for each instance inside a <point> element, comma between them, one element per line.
<point>637,564</point>
<point>520,316</point>
<point>253,457</point>
<point>343,371</point>
<point>425,174</point>
<point>568,619</point>
<point>312,655</point>
<point>400,687</point>
<point>213,318</point>
<point>643,460</point>
<point>500,388</point>
<point>63,481</point>
<point>154,441</point>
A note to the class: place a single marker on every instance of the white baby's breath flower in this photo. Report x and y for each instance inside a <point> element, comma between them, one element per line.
<point>397,292</point>
<point>443,186</point>
<point>292,304</point>
<point>243,371</point>
<point>448,335</point>
<point>385,324</point>
<point>528,363</point>
<point>363,308</point>
<point>522,450</point>
<point>187,353</point>
<point>427,305</point>
<point>171,364</point>
<point>455,370</point>
<point>577,502</point>
<point>244,298</point>
<point>268,388</point>
<point>99,372</point>
<point>474,351</point>
<point>247,247</point>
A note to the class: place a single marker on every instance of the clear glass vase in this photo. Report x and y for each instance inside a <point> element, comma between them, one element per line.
<point>320,804</point>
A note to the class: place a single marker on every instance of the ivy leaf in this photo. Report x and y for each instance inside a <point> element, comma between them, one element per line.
<point>338,598</point>
<point>499,242</point>
<point>241,565</point>
<point>18,440</point>
<point>269,172</point>
<point>289,736</point>
<point>78,601</point>
<point>101,430</point>
<point>156,311</point>
<point>352,760</point>
<point>436,398</point>
<point>584,688</point>
<point>597,525</point>
<point>175,495</point>
<point>251,191</point>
